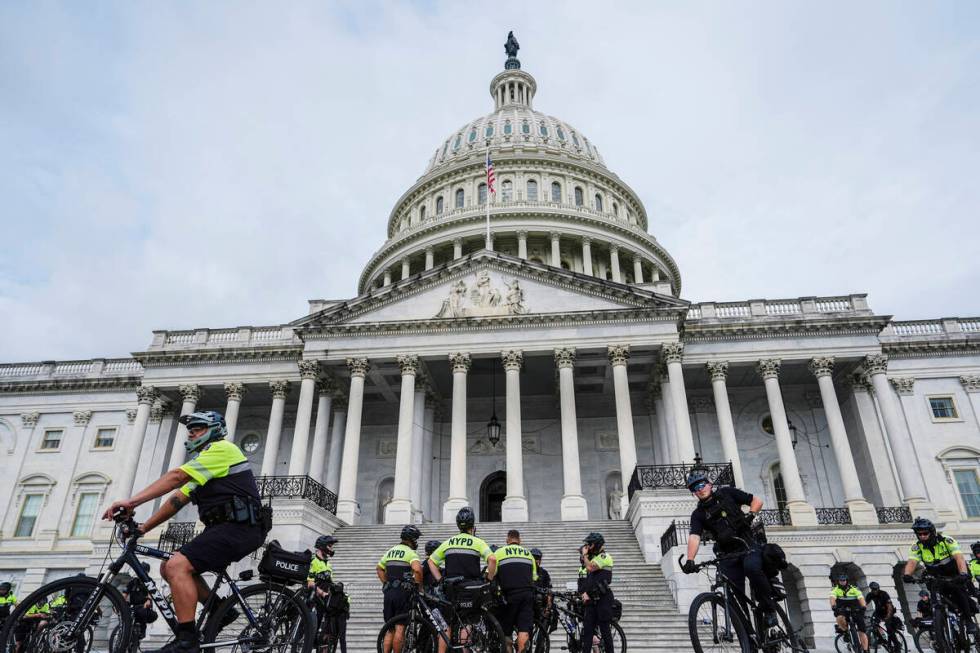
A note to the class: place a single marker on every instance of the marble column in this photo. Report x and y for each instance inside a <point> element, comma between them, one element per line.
<point>614,263</point>
<point>515,504</point>
<point>673,354</point>
<point>146,395</point>
<point>190,394</point>
<point>428,430</point>
<point>637,269</point>
<point>429,258</point>
<point>318,454</point>
<point>386,280</point>
<point>336,443</point>
<point>862,512</point>
<point>913,487</point>
<point>406,269</point>
<point>619,356</point>
<point>655,397</point>
<point>673,457</point>
<point>309,371</point>
<point>874,437</point>
<point>971,385</point>
<point>555,249</point>
<point>801,513</point>
<point>234,392</point>
<point>460,362</point>
<point>348,509</point>
<point>718,370</point>
<point>399,510</point>
<point>269,457</point>
<point>573,504</point>
<point>457,249</point>
<point>522,245</point>
<point>587,265</point>
<point>418,434</point>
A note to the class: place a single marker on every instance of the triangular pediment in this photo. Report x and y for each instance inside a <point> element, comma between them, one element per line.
<point>490,285</point>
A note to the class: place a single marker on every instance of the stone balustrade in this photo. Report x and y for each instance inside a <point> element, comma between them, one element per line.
<point>85,369</point>
<point>233,337</point>
<point>947,326</point>
<point>854,304</point>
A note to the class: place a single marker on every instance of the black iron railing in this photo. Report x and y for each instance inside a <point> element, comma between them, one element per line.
<point>297,487</point>
<point>833,516</point>
<point>177,535</point>
<point>676,533</point>
<point>774,517</point>
<point>674,477</point>
<point>894,515</point>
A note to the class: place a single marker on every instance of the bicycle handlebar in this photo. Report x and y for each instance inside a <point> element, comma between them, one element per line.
<point>126,527</point>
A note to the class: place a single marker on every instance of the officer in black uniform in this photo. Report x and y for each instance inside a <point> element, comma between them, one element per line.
<point>883,610</point>
<point>516,574</point>
<point>141,605</point>
<point>719,511</point>
<point>923,609</point>
<point>429,581</point>
<point>220,482</point>
<point>596,592</point>
<point>400,573</point>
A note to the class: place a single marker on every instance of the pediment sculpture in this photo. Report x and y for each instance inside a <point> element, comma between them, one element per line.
<point>483,299</point>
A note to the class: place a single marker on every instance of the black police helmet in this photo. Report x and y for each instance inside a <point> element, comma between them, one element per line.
<point>431,546</point>
<point>695,477</point>
<point>536,553</point>
<point>325,541</point>
<point>922,524</point>
<point>975,547</point>
<point>874,586</point>
<point>465,518</point>
<point>595,539</point>
<point>5,587</point>
<point>411,534</point>
<point>924,594</point>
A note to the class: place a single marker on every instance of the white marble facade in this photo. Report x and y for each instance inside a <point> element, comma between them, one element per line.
<point>574,320</point>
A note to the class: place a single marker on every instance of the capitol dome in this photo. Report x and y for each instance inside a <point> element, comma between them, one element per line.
<point>556,203</point>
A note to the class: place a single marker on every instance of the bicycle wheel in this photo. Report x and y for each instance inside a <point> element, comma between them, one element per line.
<point>843,644</point>
<point>619,639</point>
<point>54,605</point>
<point>480,632</point>
<point>420,636</point>
<point>784,637</point>
<point>541,640</point>
<point>284,621</point>
<point>923,640</point>
<point>713,628</point>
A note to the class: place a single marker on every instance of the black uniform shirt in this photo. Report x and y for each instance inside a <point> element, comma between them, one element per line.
<point>700,519</point>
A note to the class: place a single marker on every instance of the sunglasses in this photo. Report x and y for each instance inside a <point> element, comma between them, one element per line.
<point>699,486</point>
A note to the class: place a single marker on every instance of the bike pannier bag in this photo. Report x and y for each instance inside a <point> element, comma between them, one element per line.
<point>469,595</point>
<point>284,566</point>
<point>773,559</point>
<point>617,609</point>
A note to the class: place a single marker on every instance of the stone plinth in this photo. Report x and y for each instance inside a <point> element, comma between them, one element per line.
<point>651,513</point>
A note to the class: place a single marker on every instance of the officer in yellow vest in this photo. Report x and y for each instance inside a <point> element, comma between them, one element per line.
<point>975,563</point>
<point>7,600</point>
<point>516,574</point>
<point>595,590</point>
<point>400,573</point>
<point>848,604</point>
<point>943,559</point>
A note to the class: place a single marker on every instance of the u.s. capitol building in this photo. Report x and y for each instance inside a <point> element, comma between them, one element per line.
<point>572,331</point>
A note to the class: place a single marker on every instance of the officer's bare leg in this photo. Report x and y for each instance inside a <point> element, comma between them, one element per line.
<point>179,574</point>
<point>522,639</point>
<point>399,639</point>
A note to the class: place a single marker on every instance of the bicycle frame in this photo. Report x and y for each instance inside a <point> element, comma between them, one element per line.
<point>942,610</point>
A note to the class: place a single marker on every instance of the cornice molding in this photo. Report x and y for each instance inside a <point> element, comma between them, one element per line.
<point>124,383</point>
<point>762,328</point>
<point>925,349</point>
<point>151,359</point>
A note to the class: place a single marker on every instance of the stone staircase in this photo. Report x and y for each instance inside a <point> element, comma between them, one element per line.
<point>650,619</point>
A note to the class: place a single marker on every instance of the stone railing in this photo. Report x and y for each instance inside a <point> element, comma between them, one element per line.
<point>943,327</point>
<point>297,487</point>
<point>177,535</point>
<point>855,304</point>
<point>234,337</point>
<point>674,477</point>
<point>87,369</point>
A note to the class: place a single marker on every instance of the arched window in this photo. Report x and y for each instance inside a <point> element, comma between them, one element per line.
<point>962,467</point>
<point>525,127</point>
<point>459,198</point>
<point>507,190</point>
<point>543,129</point>
<point>561,134</point>
<point>615,209</point>
<point>456,143</point>
<point>579,196</point>
<point>421,213</point>
<point>575,140</point>
<point>532,189</point>
<point>88,492</point>
<point>778,489</point>
<point>508,128</point>
<point>439,205</point>
<point>598,202</point>
<point>472,137</point>
<point>555,191</point>
<point>32,495</point>
<point>444,149</point>
<point>488,132</point>
<point>482,194</point>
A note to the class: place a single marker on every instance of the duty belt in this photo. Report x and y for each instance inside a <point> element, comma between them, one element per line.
<point>237,510</point>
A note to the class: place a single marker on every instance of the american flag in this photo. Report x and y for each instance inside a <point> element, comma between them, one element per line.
<point>491,178</point>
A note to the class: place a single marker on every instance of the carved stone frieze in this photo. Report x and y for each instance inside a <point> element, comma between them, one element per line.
<point>971,383</point>
<point>358,366</point>
<point>130,415</point>
<point>717,369</point>
<point>769,368</point>
<point>460,362</point>
<point>279,388</point>
<point>565,357</point>
<point>29,420</point>
<point>904,385</point>
<point>235,391</point>
<point>618,354</point>
<point>483,299</point>
<point>822,366</point>
<point>82,417</point>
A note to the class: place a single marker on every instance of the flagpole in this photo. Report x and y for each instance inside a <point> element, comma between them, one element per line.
<point>487,165</point>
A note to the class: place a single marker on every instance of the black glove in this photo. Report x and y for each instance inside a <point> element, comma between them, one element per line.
<point>689,567</point>
<point>907,578</point>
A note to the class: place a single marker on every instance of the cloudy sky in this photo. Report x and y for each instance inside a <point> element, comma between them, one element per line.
<point>189,164</point>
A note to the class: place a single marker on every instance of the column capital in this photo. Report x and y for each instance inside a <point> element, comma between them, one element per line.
<point>860,383</point>
<point>147,394</point>
<point>235,391</point>
<point>673,352</point>
<point>82,417</point>
<point>339,402</point>
<point>876,364</point>
<point>309,370</point>
<point>458,242</point>
<point>159,407</point>
<point>654,389</point>
<point>971,383</point>
<point>358,366</point>
<point>768,368</point>
<point>554,235</point>
<point>522,234</point>
<point>460,362</point>
<point>565,357</point>
<point>326,386</point>
<point>618,354</point>
<point>614,249</point>
<point>130,415</point>
<point>904,385</point>
<point>279,388</point>
<point>513,360</point>
<point>586,241</point>
<point>408,363</point>
<point>717,369</point>
<point>822,366</point>
<point>190,392</point>
<point>30,419</point>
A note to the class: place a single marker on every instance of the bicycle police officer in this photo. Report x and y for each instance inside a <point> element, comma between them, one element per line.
<point>321,573</point>
<point>517,572</point>
<point>141,605</point>
<point>220,482</point>
<point>400,572</point>
<point>942,558</point>
<point>719,511</point>
<point>7,600</point>
<point>883,610</point>
<point>596,593</point>
<point>845,599</point>
<point>429,581</point>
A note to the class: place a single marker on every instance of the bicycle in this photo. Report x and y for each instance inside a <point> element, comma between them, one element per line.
<point>328,609</point>
<point>948,632</point>
<point>849,641</point>
<point>545,621</point>
<point>922,636</point>
<point>271,617</point>
<point>724,618</point>
<point>878,637</point>
<point>569,612</point>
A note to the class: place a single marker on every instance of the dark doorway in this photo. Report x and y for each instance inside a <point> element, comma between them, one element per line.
<point>493,490</point>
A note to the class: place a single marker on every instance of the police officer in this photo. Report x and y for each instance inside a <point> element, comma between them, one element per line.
<point>516,575</point>
<point>542,601</point>
<point>942,558</point>
<point>7,600</point>
<point>429,581</point>
<point>594,588</point>
<point>974,565</point>
<point>923,609</point>
<point>462,555</point>
<point>845,599</point>
<point>321,575</point>
<point>719,511</point>
<point>141,605</point>
<point>220,482</point>
<point>883,610</point>
<point>400,572</point>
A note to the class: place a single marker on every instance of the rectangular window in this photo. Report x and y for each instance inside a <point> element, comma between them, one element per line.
<point>104,438</point>
<point>943,408</point>
<point>28,515</point>
<point>966,483</point>
<point>52,440</point>
<point>85,515</point>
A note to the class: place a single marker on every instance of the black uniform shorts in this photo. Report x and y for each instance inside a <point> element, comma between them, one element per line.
<point>222,544</point>
<point>517,612</point>
<point>396,602</point>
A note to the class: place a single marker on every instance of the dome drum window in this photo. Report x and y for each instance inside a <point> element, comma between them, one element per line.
<point>422,213</point>
<point>456,143</point>
<point>555,192</point>
<point>579,196</point>
<point>472,137</point>
<point>439,205</point>
<point>525,128</point>
<point>561,133</point>
<point>532,190</point>
<point>482,194</point>
<point>508,128</point>
<point>507,190</point>
<point>460,196</point>
<point>488,132</point>
<point>575,140</point>
<point>543,130</point>
<point>598,202</point>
